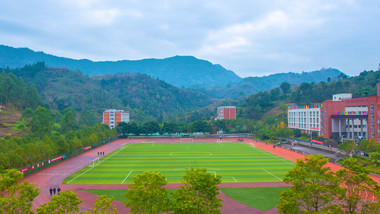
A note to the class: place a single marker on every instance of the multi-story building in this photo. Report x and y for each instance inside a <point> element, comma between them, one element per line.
<point>343,116</point>
<point>226,112</point>
<point>112,117</point>
<point>305,118</point>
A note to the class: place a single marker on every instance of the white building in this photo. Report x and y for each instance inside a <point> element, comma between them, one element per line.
<point>112,117</point>
<point>305,118</point>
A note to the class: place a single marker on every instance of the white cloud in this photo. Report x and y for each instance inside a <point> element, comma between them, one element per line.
<point>249,37</point>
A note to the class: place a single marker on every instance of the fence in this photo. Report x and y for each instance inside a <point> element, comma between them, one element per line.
<point>46,163</point>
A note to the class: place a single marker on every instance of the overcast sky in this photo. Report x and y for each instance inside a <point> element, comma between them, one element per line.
<point>251,38</point>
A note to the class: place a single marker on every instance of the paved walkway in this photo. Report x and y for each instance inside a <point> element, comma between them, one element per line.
<point>53,176</point>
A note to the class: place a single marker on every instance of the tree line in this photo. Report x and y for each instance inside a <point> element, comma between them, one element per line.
<point>205,126</point>
<point>147,194</point>
<point>317,189</point>
<point>13,90</point>
<point>49,135</point>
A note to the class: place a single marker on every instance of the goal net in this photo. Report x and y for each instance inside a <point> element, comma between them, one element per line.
<point>95,162</point>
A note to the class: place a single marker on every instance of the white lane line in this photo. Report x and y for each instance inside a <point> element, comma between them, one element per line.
<point>234,178</point>
<point>127,176</point>
<point>96,165</point>
<point>79,175</point>
<point>272,174</point>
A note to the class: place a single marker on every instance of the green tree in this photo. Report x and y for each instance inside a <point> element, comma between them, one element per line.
<point>170,128</point>
<point>87,118</point>
<point>133,128</point>
<point>41,122</point>
<point>270,121</point>
<point>16,197</point>
<point>285,87</point>
<point>348,146</point>
<point>66,202</point>
<point>314,187</point>
<point>147,194</point>
<point>198,194</point>
<point>150,127</point>
<point>360,188</point>
<point>200,126</point>
<point>122,128</point>
<point>374,157</point>
<point>221,125</point>
<point>27,115</point>
<point>68,122</point>
<point>103,205</point>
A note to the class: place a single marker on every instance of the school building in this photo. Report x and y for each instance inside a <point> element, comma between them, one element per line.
<point>342,116</point>
<point>112,117</point>
<point>226,112</point>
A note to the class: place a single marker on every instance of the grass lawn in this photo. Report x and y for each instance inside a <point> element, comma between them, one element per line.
<point>262,198</point>
<point>118,194</point>
<point>235,162</point>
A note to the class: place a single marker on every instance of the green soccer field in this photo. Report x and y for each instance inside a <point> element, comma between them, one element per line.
<point>235,162</point>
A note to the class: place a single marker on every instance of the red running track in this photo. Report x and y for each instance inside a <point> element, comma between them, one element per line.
<point>53,176</point>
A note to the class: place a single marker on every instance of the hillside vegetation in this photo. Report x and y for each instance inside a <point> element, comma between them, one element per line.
<point>251,85</point>
<point>181,71</point>
<point>141,94</point>
<point>258,105</point>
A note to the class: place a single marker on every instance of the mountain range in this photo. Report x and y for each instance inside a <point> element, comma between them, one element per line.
<point>180,71</point>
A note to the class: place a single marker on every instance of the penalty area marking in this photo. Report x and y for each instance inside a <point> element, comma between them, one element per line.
<point>127,176</point>
<point>272,174</point>
<point>121,148</point>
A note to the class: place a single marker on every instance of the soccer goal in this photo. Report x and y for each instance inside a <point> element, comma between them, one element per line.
<point>95,162</point>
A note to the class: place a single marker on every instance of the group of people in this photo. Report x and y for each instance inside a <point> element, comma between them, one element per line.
<point>240,140</point>
<point>100,153</point>
<point>54,190</point>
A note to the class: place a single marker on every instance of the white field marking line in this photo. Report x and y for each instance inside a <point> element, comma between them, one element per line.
<point>272,174</point>
<point>80,175</point>
<point>96,165</point>
<point>127,176</point>
<point>234,178</point>
<point>277,157</point>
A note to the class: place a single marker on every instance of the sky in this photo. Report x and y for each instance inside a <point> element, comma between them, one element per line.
<point>251,38</point>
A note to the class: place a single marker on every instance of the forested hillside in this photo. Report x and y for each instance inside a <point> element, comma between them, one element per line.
<point>180,71</point>
<point>250,85</point>
<point>13,90</point>
<point>258,105</point>
<point>140,94</point>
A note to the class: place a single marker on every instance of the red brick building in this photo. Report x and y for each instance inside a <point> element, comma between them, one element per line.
<point>112,117</point>
<point>350,118</point>
<point>226,112</point>
<point>347,118</point>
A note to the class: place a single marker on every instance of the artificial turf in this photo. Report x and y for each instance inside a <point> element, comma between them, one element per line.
<point>235,162</point>
<point>117,194</point>
<point>262,198</point>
